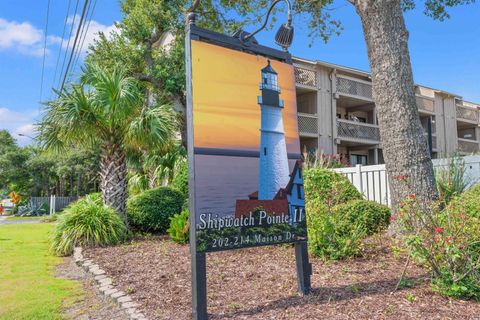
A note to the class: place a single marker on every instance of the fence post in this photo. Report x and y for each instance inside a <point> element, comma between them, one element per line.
<point>358,169</point>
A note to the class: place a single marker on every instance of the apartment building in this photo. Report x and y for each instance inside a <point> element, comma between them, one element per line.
<point>336,115</point>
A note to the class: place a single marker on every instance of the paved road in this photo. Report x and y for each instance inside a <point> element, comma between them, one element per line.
<point>3,220</point>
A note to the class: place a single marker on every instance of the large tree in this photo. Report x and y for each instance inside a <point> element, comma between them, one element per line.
<point>106,109</point>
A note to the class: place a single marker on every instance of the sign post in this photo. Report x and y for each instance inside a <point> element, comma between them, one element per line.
<point>245,172</point>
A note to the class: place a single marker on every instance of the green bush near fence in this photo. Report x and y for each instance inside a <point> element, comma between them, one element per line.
<point>338,218</point>
<point>328,187</point>
<point>468,202</point>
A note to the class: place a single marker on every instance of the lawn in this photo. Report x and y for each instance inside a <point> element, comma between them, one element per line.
<point>28,286</point>
<point>17,218</point>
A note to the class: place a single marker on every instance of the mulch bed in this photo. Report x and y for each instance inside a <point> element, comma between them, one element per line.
<point>260,283</point>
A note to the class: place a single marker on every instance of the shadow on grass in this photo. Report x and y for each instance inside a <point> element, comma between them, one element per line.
<point>325,295</point>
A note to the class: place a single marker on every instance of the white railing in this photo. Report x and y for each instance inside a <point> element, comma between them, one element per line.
<point>307,124</point>
<point>305,77</point>
<point>354,87</point>
<point>372,181</point>
<point>467,145</point>
<point>358,131</point>
<point>469,114</point>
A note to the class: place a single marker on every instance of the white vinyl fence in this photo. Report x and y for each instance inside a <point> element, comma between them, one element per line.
<point>372,181</point>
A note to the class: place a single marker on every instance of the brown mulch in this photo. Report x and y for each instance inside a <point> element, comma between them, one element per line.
<point>260,283</point>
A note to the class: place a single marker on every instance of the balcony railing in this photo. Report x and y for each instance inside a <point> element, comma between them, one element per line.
<point>468,114</point>
<point>305,77</point>
<point>425,104</point>
<point>358,131</point>
<point>468,146</point>
<point>307,124</point>
<point>352,87</point>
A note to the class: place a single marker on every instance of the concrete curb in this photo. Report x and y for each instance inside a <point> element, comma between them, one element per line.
<point>106,287</point>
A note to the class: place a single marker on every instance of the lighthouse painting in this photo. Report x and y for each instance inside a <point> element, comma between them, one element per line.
<point>274,172</point>
<point>248,187</point>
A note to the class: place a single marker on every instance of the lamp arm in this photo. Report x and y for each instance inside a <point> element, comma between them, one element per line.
<point>268,15</point>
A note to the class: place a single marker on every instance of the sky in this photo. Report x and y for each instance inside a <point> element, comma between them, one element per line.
<point>445,55</point>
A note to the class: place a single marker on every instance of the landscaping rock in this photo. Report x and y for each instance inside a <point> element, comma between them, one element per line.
<point>128,305</point>
<point>118,294</point>
<point>124,299</point>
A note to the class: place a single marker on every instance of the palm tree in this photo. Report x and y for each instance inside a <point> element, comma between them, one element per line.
<point>107,109</point>
<point>155,167</point>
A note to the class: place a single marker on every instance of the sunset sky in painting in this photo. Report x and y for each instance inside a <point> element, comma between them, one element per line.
<point>226,84</point>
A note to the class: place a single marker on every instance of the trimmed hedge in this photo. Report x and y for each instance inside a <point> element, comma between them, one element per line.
<point>468,202</point>
<point>329,187</point>
<point>151,210</point>
<point>372,217</point>
<point>337,216</point>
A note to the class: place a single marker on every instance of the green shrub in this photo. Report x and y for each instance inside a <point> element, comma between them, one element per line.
<point>87,222</point>
<point>447,242</point>
<point>329,187</point>
<point>331,237</point>
<point>151,210</point>
<point>337,232</point>
<point>372,217</point>
<point>180,179</point>
<point>468,202</point>
<point>179,227</point>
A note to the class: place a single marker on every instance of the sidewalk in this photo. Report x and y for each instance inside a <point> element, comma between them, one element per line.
<point>3,220</point>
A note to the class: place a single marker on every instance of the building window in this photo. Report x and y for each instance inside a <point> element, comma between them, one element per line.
<point>264,151</point>
<point>358,159</point>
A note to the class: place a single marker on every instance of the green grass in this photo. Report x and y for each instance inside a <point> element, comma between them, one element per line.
<point>15,218</point>
<point>28,287</point>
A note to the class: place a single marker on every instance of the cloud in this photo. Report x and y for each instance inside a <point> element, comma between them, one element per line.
<point>21,36</point>
<point>94,28</point>
<point>25,38</point>
<point>19,123</point>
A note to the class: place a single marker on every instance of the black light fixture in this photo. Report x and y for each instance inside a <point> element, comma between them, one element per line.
<point>284,35</point>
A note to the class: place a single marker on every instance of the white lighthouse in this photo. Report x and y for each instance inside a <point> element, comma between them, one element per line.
<point>274,172</point>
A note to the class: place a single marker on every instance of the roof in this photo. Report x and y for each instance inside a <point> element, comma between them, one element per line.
<point>269,69</point>
<point>271,207</point>
<point>298,166</point>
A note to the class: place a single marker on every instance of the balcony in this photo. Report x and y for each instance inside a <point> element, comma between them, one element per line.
<point>305,77</point>
<point>307,125</point>
<point>355,88</point>
<point>425,104</point>
<point>358,131</point>
<point>467,114</point>
<point>467,145</point>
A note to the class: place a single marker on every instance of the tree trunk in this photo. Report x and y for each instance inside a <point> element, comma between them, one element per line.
<point>113,175</point>
<point>404,144</point>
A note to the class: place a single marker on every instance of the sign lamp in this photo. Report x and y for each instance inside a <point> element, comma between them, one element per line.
<point>284,36</point>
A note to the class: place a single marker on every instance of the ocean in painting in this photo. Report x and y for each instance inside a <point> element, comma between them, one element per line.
<point>221,180</point>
